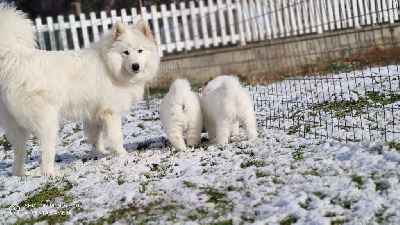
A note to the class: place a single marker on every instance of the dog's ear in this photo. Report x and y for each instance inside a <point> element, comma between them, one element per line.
<point>118,29</point>
<point>145,30</point>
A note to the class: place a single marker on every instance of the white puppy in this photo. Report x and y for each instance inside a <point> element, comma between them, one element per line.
<point>180,114</point>
<point>224,104</point>
<point>98,86</point>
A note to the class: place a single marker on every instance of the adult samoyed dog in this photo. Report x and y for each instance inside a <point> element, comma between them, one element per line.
<point>224,104</point>
<point>97,86</point>
<point>180,113</point>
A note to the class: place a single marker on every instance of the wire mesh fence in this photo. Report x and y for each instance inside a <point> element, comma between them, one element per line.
<point>329,73</point>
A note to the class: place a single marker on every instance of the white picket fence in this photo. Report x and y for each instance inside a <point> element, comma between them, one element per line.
<point>221,23</point>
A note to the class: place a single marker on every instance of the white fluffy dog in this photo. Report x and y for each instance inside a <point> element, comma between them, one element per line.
<point>224,104</point>
<point>181,114</point>
<point>97,86</point>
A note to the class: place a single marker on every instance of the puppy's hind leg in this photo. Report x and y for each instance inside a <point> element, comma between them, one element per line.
<point>95,136</point>
<point>175,137</point>
<point>112,124</point>
<point>193,133</point>
<point>235,128</point>
<point>249,122</point>
<point>223,131</point>
<point>18,137</point>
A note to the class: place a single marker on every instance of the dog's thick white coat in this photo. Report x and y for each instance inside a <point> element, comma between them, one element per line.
<point>180,114</point>
<point>97,86</point>
<point>225,103</point>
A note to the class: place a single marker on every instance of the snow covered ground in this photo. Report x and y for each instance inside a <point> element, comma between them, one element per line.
<point>280,178</point>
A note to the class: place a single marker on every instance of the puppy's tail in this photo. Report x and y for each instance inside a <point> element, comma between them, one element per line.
<point>178,89</point>
<point>15,28</point>
<point>231,85</point>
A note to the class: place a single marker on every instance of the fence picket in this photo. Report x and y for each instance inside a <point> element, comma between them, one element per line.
<point>260,21</point>
<point>331,18</point>
<point>318,15</point>
<point>313,18</point>
<point>367,12</point>
<point>279,16</point>
<point>72,25</point>
<point>104,21</point>
<point>222,24</point>
<point>337,14</point>
<point>231,22</point>
<point>246,18</point>
<point>348,12</point>
<point>252,15</point>
<point>395,8</point>
<point>373,13</point>
<point>292,17</point>
<point>299,16</point>
<point>124,17</point>
<point>175,28</point>
<point>50,29</point>
<point>63,33</point>
<point>84,30</point>
<point>306,16</point>
<point>95,29</point>
<point>204,29</point>
<point>391,9</point>
<point>195,28</point>
<point>156,27</point>
<point>268,27</point>
<point>186,33</point>
<point>361,11</point>
<point>239,14</point>
<point>274,23</point>
<point>135,17</point>
<point>342,13</point>
<point>166,30</point>
<point>288,26</point>
<point>114,17</point>
<point>211,12</point>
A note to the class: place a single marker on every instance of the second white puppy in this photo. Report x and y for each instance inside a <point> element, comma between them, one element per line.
<point>224,104</point>
<point>180,114</point>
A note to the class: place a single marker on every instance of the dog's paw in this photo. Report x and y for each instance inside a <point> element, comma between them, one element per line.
<point>120,151</point>
<point>19,173</point>
<point>136,153</point>
<point>54,174</point>
<point>100,151</point>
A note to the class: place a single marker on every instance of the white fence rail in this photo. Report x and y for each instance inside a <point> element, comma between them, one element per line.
<point>220,22</point>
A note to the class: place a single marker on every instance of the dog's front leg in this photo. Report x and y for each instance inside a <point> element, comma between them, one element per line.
<point>48,138</point>
<point>112,123</point>
<point>95,136</point>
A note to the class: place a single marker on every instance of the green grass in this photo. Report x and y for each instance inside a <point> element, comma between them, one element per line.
<point>305,204</point>
<point>255,163</point>
<point>393,145</point>
<point>215,196</point>
<point>330,214</point>
<point>189,184</point>
<point>289,219</point>
<point>358,180</point>
<point>5,143</point>
<point>381,186</point>
<point>158,92</point>
<point>49,193</point>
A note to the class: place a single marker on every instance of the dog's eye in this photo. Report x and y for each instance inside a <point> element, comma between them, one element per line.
<point>140,51</point>
<point>126,52</point>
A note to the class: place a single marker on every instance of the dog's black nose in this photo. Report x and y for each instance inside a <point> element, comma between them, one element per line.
<point>135,67</point>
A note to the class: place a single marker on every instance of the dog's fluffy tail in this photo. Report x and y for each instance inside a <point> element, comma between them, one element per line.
<point>15,28</point>
<point>179,89</point>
